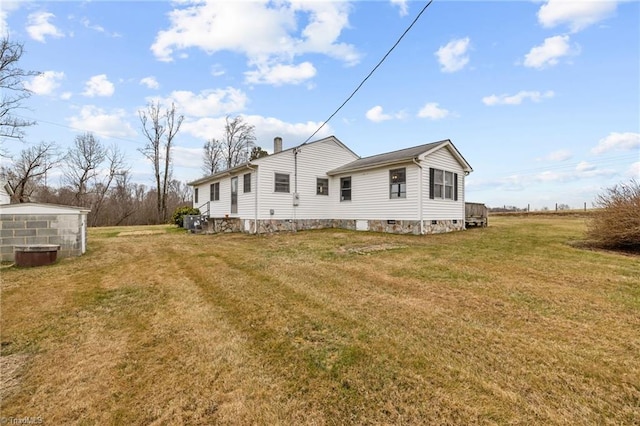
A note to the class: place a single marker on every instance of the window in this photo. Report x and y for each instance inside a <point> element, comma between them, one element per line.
<point>195,195</point>
<point>214,191</point>
<point>322,186</point>
<point>234,194</point>
<point>448,185</point>
<point>443,185</point>
<point>246,182</point>
<point>345,188</point>
<point>438,183</point>
<point>398,183</point>
<point>282,182</point>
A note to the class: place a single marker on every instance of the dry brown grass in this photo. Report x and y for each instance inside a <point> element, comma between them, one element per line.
<point>507,324</point>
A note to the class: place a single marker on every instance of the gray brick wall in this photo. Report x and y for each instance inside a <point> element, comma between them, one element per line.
<point>62,229</point>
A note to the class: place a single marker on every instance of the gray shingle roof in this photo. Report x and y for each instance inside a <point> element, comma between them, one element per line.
<point>387,158</point>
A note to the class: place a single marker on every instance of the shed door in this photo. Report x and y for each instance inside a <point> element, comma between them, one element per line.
<point>234,195</point>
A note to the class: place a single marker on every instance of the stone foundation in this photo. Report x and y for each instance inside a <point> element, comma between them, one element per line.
<point>268,226</point>
<point>395,226</point>
<point>441,226</point>
<point>217,225</point>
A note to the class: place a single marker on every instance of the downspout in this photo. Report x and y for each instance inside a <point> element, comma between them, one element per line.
<point>295,186</point>
<point>255,201</point>
<point>420,212</point>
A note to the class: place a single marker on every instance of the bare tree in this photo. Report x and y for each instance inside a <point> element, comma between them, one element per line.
<point>116,168</point>
<point>237,142</point>
<point>212,157</point>
<point>82,162</point>
<point>13,90</point>
<point>30,169</point>
<point>160,128</point>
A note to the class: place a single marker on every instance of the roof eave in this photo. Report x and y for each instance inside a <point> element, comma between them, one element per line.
<point>221,174</point>
<point>371,166</point>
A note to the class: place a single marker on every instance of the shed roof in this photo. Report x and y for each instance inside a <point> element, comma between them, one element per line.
<point>41,208</point>
<point>399,156</point>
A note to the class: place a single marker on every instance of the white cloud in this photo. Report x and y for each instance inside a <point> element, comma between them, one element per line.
<point>560,155</point>
<point>267,33</point>
<point>5,10</point>
<point>98,85</point>
<point>549,52</point>
<point>266,128</point>
<point>95,27</point>
<point>402,5</point>
<point>517,99</point>
<point>44,84</point>
<point>453,56</point>
<point>217,70</point>
<point>208,102</point>
<point>583,170</point>
<point>577,14</point>
<point>107,124</point>
<point>634,170</point>
<point>618,142</point>
<point>39,26</point>
<point>66,96</point>
<point>433,112</point>
<point>150,82</point>
<point>278,75</point>
<point>376,115</point>
<point>187,157</point>
<point>585,166</point>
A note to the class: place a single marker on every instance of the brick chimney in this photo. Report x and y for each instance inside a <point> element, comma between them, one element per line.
<point>277,144</point>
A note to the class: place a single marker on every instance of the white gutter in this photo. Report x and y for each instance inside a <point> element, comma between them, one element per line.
<point>420,212</point>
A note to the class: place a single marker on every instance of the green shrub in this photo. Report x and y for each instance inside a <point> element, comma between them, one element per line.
<point>178,215</point>
<point>616,223</point>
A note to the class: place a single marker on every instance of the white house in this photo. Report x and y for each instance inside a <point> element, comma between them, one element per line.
<point>323,184</point>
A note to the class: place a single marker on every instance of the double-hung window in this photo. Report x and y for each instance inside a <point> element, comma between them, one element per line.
<point>281,182</point>
<point>345,188</point>
<point>443,185</point>
<point>398,183</point>
<point>195,195</point>
<point>322,186</point>
<point>214,191</point>
<point>246,182</point>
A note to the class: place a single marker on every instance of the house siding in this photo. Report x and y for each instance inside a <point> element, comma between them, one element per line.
<point>442,209</point>
<point>370,195</point>
<point>314,160</point>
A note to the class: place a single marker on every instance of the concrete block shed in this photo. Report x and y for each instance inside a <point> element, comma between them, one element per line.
<point>36,223</point>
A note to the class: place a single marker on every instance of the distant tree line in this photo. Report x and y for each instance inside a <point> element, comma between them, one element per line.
<point>93,176</point>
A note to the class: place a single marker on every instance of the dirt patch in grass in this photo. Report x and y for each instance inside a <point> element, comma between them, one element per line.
<point>10,369</point>
<point>368,249</point>
<point>140,232</point>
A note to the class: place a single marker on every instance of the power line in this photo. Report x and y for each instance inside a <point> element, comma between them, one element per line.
<point>372,71</point>
<point>38,121</point>
<point>601,162</point>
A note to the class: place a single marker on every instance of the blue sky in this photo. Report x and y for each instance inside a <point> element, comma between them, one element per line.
<point>541,97</point>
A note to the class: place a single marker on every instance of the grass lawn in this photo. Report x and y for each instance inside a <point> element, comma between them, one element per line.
<point>511,324</point>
